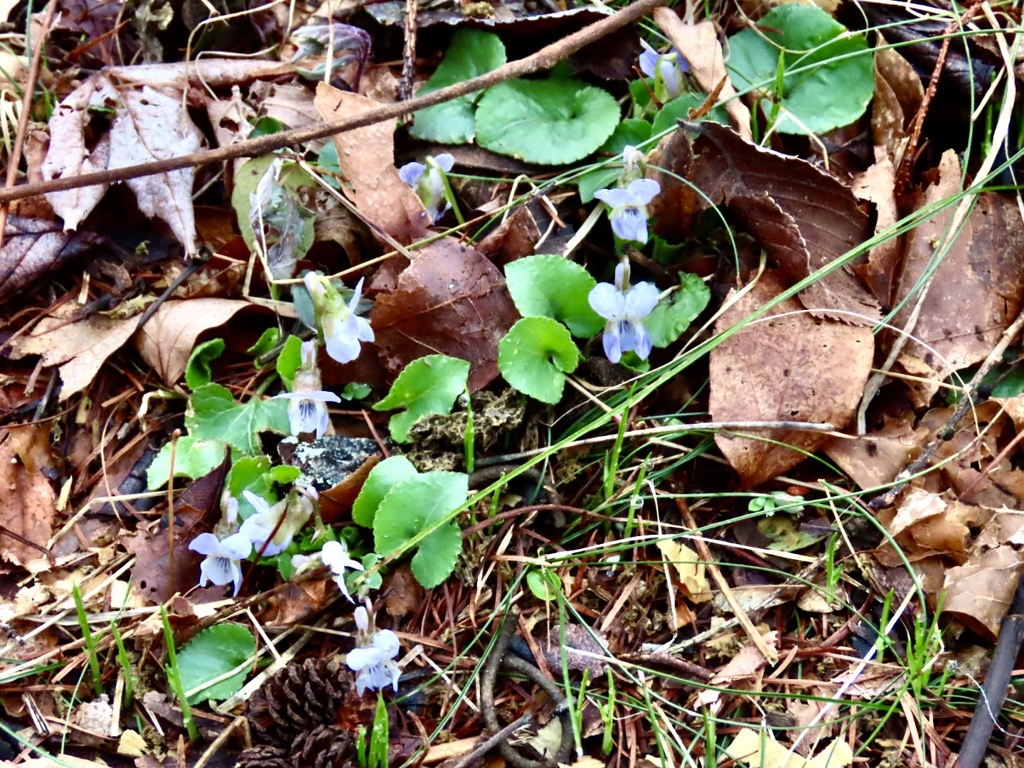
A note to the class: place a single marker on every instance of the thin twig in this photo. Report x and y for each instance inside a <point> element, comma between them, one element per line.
<point>545,58</point>
<point>997,681</point>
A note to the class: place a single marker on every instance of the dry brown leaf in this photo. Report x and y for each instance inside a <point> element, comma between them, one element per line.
<point>876,185</point>
<point>874,460</point>
<point>924,525</point>
<point>27,500</point>
<point>699,45</point>
<point>974,294</point>
<point>692,573</point>
<point>898,96</point>
<point>793,368</point>
<point>803,217</point>
<point>68,154</point>
<point>979,593</point>
<point>367,159</point>
<point>33,247</point>
<point>78,346</point>
<point>152,126</point>
<point>761,750</point>
<point>167,340</point>
<point>403,593</point>
<point>450,300</point>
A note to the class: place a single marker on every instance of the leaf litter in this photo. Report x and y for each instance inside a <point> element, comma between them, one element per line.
<point>700,508</point>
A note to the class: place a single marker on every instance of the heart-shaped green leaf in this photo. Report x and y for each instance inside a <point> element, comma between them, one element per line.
<point>550,122</point>
<point>827,71</point>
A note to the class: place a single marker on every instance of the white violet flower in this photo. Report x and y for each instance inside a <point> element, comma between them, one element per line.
<point>334,554</point>
<point>221,565</point>
<point>296,510</point>
<point>667,70</point>
<point>428,180</point>
<point>307,406</point>
<point>372,659</point>
<point>629,208</point>
<point>624,308</point>
<point>342,329</point>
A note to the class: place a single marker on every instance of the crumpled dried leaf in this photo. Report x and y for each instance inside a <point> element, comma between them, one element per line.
<point>793,368</point>
<point>167,340</point>
<point>761,750</point>
<point>924,525</point>
<point>876,185</point>
<point>975,292</point>
<point>403,593</point>
<point>68,154</point>
<point>33,247</point>
<point>450,300</point>
<point>153,126</point>
<point>692,573</point>
<point>367,159</point>
<point>874,459</point>
<point>804,218</point>
<point>79,346</point>
<point>898,95</point>
<point>979,593</point>
<point>27,500</point>
<point>149,125</point>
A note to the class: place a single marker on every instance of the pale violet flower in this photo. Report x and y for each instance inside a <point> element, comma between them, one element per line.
<point>372,659</point>
<point>341,327</point>
<point>624,308</point>
<point>296,509</point>
<point>221,565</point>
<point>667,70</point>
<point>335,555</point>
<point>307,406</point>
<point>427,179</point>
<point>629,208</point>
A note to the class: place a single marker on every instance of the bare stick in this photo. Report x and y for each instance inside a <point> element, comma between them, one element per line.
<point>544,59</point>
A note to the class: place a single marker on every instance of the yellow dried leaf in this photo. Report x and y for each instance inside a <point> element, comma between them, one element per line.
<point>691,572</point>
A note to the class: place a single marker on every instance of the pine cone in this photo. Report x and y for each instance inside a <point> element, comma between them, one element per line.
<point>296,700</point>
<point>326,746</point>
<point>264,756</point>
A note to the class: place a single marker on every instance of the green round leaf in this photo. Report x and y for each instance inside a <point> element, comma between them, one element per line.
<point>192,458</point>
<point>213,414</point>
<point>290,359</point>
<point>411,507</point>
<point>674,315</point>
<point>835,81</point>
<point>548,286</point>
<point>212,653</point>
<point>535,356</point>
<point>550,122</point>
<point>544,584</point>
<point>382,478</point>
<point>197,369</point>
<point>473,52</point>
<point>553,286</point>
<point>427,385</point>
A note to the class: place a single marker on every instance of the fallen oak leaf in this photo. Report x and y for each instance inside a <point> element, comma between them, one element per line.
<point>153,126</point>
<point>79,346</point>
